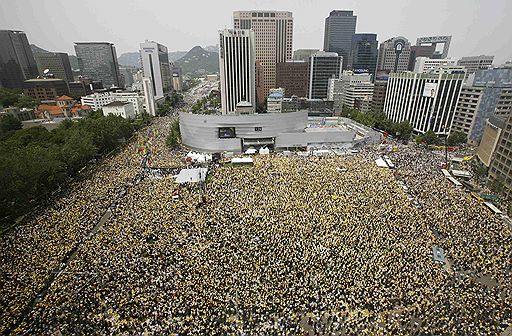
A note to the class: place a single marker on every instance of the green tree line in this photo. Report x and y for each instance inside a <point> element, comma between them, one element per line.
<point>174,138</point>
<point>402,130</point>
<point>36,161</point>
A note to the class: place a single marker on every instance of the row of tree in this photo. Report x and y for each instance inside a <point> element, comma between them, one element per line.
<point>454,139</point>
<point>35,161</point>
<point>13,97</point>
<point>402,130</point>
<point>174,138</point>
<point>172,101</point>
<point>208,104</point>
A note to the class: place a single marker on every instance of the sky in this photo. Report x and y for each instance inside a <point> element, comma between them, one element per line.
<point>477,26</point>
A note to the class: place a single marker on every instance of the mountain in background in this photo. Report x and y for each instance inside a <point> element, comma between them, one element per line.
<point>176,55</point>
<point>212,48</point>
<point>35,49</point>
<point>199,61</point>
<point>131,59</point>
<point>73,60</point>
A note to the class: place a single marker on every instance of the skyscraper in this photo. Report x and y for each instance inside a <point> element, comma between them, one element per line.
<point>237,64</point>
<point>394,55</point>
<point>17,62</point>
<point>427,100</point>
<point>273,33</point>
<point>292,76</point>
<point>363,53</point>
<point>57,64</point>
<point>322,67</point>
<point>98,61</point>
<point>155,61</point>
<point>340,25</point>
<point>501,169</point>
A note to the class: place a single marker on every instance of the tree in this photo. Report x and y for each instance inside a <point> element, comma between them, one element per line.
<point>456,138</point>
<point>428,138</point>
<point>174,137</point>
<point>404,130</point>
<point>9,97</point>
<point>26,102</point>
<point>8,124</point>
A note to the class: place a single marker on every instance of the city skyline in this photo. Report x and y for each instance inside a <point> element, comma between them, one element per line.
<point>464,20</point>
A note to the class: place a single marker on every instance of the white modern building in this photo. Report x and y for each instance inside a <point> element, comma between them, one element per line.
<point>426,64</point>
<point>149,97</point>
<point>349,88</point>
<point>97,100</point>
<point>428,101</point>
<point>275,101</point>
<point>155,62</point>
<point>135,98</point>
<point>237,69</point>
<point>121,109</point>
<point>273,31</point>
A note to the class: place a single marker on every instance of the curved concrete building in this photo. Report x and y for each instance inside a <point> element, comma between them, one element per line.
<point>216,133</point>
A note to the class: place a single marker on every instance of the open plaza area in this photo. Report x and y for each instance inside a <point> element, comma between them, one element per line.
<point>292,245</point>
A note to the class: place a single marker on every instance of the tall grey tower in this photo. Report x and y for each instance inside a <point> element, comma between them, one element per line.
<point>340,25</point>
<point>17,62</point>
<point>237,69</point>
<point>273,33</point>
<point>155,61</point>
<point>98,61</point>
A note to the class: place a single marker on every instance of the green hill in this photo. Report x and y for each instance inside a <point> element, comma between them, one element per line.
<point>199,61</point>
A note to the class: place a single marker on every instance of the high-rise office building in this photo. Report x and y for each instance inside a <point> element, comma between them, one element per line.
<point>57,64</point>
<point>237,70</point>
<point>352,86</point>
<point>303,54</point>
<point>322,67</point>
<point>394,55</point>
<point>434,41</point>
<point>428,100</point>
<point>425,64</point>
<point>98,61</point>
<point>273,33</point>
<point>420,51</point>
<point>500,165</point>
<point>490,94</point>
<point>363,53</point>
<point>17,62</point>
<point>155,62</point>
<point>149,96</point>
<point>474,63</point>
<point>340,25</point>
<point>379,95</point>
<point>292,76</point>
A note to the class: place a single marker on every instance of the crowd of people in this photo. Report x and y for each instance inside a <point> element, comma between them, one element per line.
<point>291,245</point>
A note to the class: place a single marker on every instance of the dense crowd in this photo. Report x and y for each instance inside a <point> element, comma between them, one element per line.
<point>292,245</point>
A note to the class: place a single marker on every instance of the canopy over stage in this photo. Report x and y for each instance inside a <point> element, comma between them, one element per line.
<point>192,175</point>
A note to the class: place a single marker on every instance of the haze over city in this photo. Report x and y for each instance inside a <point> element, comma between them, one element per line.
<point>477,27</point>
<point>256,167</point>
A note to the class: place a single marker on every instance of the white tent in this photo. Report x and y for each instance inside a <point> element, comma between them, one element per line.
<point>242,161</point>
<point>251,151</point>
<point>199,157</point>
<point>381,163</point>
<point>264,151</point>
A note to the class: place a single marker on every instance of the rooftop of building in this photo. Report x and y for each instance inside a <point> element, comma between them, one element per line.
<point>117,103</point>
<point>109,43</point>
<point>44,80</point>
<point>64,98</point>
